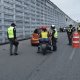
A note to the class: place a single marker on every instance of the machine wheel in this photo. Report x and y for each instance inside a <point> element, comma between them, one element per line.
<point>44,51</point>
<point>32,44</point>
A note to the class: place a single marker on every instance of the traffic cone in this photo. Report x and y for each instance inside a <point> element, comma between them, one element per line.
<point>76,40</point>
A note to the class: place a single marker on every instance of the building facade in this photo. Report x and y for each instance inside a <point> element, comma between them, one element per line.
<point>29,14</point>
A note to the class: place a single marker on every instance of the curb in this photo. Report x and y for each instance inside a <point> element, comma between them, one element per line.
<point>18,40</point>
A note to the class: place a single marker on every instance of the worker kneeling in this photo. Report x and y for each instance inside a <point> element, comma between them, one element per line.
<point>44,41</point>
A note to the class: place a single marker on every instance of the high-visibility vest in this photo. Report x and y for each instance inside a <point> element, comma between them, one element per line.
<point>10,32</point>
<point>44,34</point>
<point>69,29</point>
<point>56,34</point>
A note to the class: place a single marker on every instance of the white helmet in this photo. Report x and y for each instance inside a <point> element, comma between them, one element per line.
<point>53,26</point>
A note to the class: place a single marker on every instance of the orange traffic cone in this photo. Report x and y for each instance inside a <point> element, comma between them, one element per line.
<point>76,40</point>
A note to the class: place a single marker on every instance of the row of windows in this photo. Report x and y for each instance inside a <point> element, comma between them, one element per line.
<point>10,4</point>
<point>8,9</point>
<point>18,1</point>
<point>27,21</point>
<point>24,3</point>
<point>19,20</point>
<point>26,16</point>
<point>19,16</point>
<point>19,6</point>
<point>8,0</point>
<point>26,26</point>
<point>34,21</point>
<point>33,2</point>
<point>20,12</point>
<point>21,30</point>
<point>9,16</point>
<point>26,9</point>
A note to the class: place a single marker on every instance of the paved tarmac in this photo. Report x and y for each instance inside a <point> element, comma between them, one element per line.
<point>28,65</point>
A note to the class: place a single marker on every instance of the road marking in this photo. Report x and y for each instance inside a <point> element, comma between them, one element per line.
<point>72,54</point>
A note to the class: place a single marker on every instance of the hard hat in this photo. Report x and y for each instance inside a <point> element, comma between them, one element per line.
<point>53,26</point>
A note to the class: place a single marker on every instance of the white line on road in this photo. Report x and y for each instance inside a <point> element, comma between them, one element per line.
<point>72,54</point>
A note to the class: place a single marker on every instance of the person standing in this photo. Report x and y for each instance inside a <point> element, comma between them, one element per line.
<point>11,34</point>
<point>54,37</point>
<point>78,29</point>
<point>69,34</point>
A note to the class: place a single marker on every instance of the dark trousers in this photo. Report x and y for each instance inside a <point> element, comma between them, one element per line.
<point>46,40</point>
<point>70,39</point>
<point>54,44</point>
<point>12,42</point>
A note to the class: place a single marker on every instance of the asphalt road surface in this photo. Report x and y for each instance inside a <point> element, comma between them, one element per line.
<point>28,65</point>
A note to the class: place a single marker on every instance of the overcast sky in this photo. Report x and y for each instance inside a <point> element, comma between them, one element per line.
<point>70,7</point>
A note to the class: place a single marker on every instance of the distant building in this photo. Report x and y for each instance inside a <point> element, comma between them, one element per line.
<point>29,14</point>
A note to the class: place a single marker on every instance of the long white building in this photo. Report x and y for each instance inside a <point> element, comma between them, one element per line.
<point>29,14</point>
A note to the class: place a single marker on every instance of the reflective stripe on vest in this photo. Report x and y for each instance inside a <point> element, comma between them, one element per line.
<point>44,34</point>
<point>10,32</point>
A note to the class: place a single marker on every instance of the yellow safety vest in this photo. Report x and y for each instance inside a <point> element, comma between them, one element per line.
<point>44,34</point>
<point>10,32</point>
<point>56,34</point>
<point>69,29</point>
